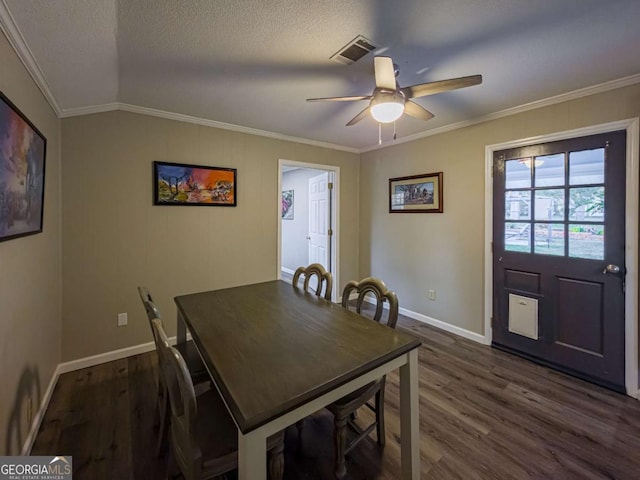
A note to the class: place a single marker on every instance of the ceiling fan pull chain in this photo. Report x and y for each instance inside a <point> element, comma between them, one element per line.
<point>379,133</point>
<point>394,130</point>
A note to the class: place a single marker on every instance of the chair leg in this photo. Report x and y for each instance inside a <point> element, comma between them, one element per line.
<point>300,428</point>
<point>172,466</point>
<point>380,432</point>
<point>276,462</point>
<point>163,429</point>
<point>340,445</point>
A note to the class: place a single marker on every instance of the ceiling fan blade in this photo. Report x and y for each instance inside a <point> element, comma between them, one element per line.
<point>417,111</point>
<point>340,99</point>
<point>358,117</point>
<point>431,88</point>
<point>385,75</point>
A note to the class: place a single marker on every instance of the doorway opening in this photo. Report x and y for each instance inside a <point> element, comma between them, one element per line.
<point>308,220</point>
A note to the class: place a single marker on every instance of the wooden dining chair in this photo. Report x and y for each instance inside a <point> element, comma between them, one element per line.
<point>322,277</point>
<point>204,438</point>
<point>197,370</point>
<point>187,349</point>
<point>344,410</point>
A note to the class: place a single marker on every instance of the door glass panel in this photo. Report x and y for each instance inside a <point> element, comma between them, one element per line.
<point>517,205</point>
<point>516,174</point>
<point>586,203</point>
<point>586,241</point>
<point>517,237</point>
<point>586,166</point>
<point>550,204</point>
<point>549,238</point>
<point>549,170</point>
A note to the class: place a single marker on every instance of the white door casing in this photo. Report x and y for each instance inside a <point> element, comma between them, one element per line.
<point>334,211</point>
<point>632,127</point>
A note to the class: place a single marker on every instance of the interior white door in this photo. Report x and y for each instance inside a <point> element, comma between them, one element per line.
<point>319,237</point>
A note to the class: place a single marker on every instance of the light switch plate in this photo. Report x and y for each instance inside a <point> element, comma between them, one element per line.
<point>122,319</point>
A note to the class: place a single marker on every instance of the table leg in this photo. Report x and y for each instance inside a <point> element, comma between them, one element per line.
<point>181,334</point>
<point>409,418</point>
<point>252,456</point>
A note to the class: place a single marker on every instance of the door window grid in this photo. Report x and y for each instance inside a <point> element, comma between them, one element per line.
<point>537,219</point>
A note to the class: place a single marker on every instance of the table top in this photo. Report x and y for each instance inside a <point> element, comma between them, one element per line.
<point>271,347</point>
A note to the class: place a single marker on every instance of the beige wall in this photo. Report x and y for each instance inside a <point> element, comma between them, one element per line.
<point>29,275</point>
<point>445,252</point>
<point>115,239</point>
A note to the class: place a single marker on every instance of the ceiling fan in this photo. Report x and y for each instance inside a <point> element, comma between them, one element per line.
<point>389,101</point>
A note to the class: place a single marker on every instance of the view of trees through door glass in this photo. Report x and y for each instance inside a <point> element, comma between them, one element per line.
<point>554,204</point>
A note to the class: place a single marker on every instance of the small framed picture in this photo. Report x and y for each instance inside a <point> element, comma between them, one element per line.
<point>287,205</point>
<point>416,194</point>
<point>180,184</point>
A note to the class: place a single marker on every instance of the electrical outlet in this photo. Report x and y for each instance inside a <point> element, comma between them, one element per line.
<point>122,319</point>
<point>432,294</point>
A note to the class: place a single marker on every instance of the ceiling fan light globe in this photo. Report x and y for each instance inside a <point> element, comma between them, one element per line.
<point>386,112</point>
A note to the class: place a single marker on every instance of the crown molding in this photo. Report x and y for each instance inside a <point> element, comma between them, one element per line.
<point>179,117</point>
<point>17,41</point>
<point>78,111</point>
<point>229,126</point>
<point>564,97</point>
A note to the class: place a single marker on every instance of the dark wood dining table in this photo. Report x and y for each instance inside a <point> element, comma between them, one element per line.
<point>278,354</point>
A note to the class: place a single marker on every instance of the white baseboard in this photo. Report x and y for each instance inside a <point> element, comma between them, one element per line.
<point>79,364</point>
<point>287,270</point>
<point>37,420</point>
<point>93,360</point>
<point>447,327</point>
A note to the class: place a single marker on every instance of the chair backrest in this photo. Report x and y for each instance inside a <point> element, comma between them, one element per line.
<point>150,307</point>
<point>381,293</point>
<point>182,401</point>
<point>322,276</point>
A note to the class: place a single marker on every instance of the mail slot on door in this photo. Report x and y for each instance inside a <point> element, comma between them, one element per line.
<point>523,316</point>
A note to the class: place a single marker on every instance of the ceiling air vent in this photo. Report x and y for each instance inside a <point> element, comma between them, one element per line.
<point>354,50</point>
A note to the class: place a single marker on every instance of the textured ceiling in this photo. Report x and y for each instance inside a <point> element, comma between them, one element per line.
<point>252,63</point>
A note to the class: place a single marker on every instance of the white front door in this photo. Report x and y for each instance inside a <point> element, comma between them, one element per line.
<point>319,238</point>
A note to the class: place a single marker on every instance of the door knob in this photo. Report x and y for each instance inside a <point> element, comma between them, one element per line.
<point>308,238</point>
<point>614,269</point>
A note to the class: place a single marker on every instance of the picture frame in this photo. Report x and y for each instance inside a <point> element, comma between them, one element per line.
<point>180,184</point>
<point>416,194</point>
<point>287,204</point>
<point>23,151</point>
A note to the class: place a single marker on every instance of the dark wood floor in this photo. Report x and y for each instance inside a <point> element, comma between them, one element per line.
<point>484,414</point>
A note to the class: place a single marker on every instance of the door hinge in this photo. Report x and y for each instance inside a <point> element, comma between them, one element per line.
<point>491,247</point>
<point>330,185</point>
<point>330,232</point>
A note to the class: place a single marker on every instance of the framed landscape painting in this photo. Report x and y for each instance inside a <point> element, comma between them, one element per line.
<point>416,194</point>
<point>180,184</point>
<point>22,158</point>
